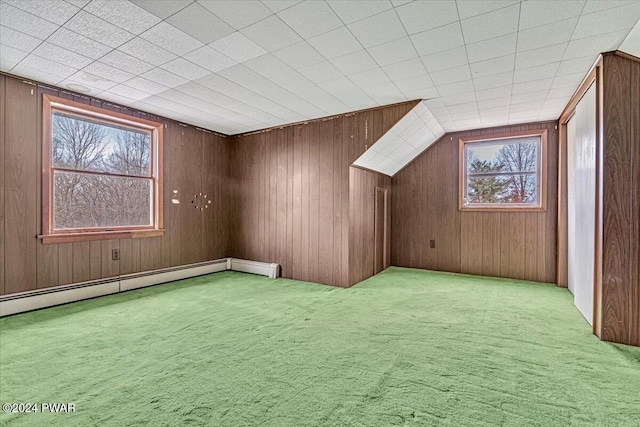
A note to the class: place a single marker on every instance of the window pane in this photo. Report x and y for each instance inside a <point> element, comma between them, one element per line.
<point>508,155</point>
<point>84,144</point>
<point>501,189</point>
<point>88,201</point>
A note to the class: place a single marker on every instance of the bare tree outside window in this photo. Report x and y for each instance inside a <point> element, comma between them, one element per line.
<point>102,174</point>
<point>502,172</point>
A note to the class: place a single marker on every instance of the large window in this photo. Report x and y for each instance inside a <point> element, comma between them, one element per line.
<point>503,172</point>
<point>101,174</point>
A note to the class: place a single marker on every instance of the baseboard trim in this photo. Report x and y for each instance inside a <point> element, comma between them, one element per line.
<point>49,297</point>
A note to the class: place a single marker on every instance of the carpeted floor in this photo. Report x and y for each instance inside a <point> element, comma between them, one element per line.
<point>406,347</point>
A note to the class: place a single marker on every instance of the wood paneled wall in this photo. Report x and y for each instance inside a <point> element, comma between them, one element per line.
<point>290,192</point>
<point>194,161</point>
<point>620,310</point>
<point>424,207</point>
<point>362,187</point>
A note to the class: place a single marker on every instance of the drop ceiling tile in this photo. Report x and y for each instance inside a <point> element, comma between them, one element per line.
<point>446,59</point>
<point>24,22</point>
<point>238,14</point>
<point>145,85</point>
<point>532,86</point>
<point>339,86</point>
<point>355,10</point>
<point>299,55</point>
<point>10,57</point>
<point>271,34</point>
<point>210,59</point>
<point>487,104</point>
<point>127,92</point>
<point>184,68</point>
<point>147,51</point>
<point>405,69</point>
<point>490,25</point>
<point>354,62</point>
<point>42,65</point>
<point>594,45</point>
<point>18,40</point>
<point>378,29</point>
<point>163,77</point>
<point>171,39</point>
<point>451,75</point>
<point>238,47</point>
<point>98,29</point>
<point>571,80</point>
<point>422,93</point>
<point>466,115</point>
<point>535,73</point>
<point>542,12</point>
<point>310,18</point>
<point>119,59</point>
<point>123,14</point>
<point>462,108</point>
<point>162,8</point>
<point>336,43</point>
<point>62,56</point>
<point>226,87</point>
<point>531,107</point>
<point>494,92</point>
<point>606,21</point>
<point>277,5</point>
<point>493,66</point>
<point>56,11</point>
<point>177,96</point>
<point>108,72</point>
<point>598,5</point>
<point>494,80</point>
<point>322,72</point>
<point>455,88</point>
<point>369,78</point>
<point>414,83</point>
<point>546,35</point>
<point>553,104</point>
<point>495,111</point>
<point>440,39</point>
<point>204,93</point>
<point>493,48</point>
<point>632,43</point>
<point>386,93</point>
<point>399,50</point>
<point>78,43</point>
<point>95,83</point>
<point>201,24</point>
<point>421,16</point>
<point>534,57</point>
<point>540,95</point>
<point>561,92</point>
<point>467,9</point>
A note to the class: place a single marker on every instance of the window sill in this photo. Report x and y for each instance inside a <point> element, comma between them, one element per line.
<point>99,235</point>
<point>502,209</point>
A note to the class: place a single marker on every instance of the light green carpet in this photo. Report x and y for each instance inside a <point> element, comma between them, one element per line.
<point>406,347</point>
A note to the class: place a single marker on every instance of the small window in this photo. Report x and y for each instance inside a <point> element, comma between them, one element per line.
<point>503,172</point>
<point>101,174</point>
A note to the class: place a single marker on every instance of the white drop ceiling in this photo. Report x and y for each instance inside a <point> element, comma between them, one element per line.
<point>238,66</point>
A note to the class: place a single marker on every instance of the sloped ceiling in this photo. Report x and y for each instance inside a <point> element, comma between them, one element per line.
<point>237,66</point>
<point>409,137</point>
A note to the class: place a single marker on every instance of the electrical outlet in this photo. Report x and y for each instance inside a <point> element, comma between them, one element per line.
<point>432,244</point>
<point>115,254</point>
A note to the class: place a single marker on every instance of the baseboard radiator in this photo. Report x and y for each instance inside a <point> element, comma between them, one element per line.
<point>49,297</point>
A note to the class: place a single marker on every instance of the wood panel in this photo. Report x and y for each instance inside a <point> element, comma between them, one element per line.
<point>20,178</point>
<point>2,130</point>
<point>291,202</point>
<point>620,299</point>
<point>194,161</point>
<point>424,207</point>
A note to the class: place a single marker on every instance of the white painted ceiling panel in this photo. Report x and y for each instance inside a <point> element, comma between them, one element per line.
<point>246,65</point>
<point>409,137</point>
